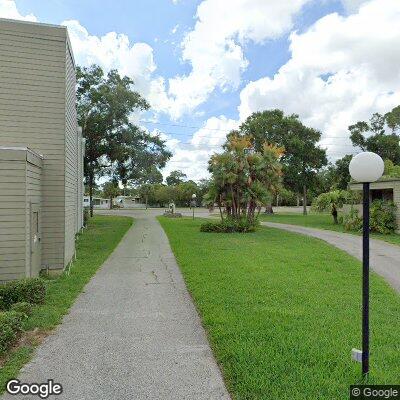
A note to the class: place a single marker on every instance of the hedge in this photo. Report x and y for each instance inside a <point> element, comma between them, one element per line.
<point>10,327</point>
<point>230,225</point>
<point>29,290</point>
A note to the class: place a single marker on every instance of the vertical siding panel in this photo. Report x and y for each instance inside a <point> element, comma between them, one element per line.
<point>12,212</point>
<point>71,159</point>
<point>33,195</point>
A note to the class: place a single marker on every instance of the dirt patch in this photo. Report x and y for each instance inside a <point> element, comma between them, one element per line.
<point>26,339</point>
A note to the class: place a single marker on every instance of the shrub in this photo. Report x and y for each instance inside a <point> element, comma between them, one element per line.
<point>22,307</point>
<point>30,290</point>
<point>10,326</point>
<point>352,221</point>
<point>333,200</point>
<point>230,225</point>
<point>383,217</point>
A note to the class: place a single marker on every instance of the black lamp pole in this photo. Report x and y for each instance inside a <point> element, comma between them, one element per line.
<point>365,282</point>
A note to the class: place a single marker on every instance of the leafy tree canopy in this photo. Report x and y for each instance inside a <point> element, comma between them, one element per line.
<point>380,135</point>
<point>302,156</point>
<point>175,177</point>
<point>391,170</point>
<point>111,189</point>
<point>333,200</point>
<point>114,145</point>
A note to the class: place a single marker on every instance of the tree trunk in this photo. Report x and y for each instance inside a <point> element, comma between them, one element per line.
<point>298,199</point>
<point>220,209</point>
<point>304,200</point>
<point>269,209</point>
<point>335,214</point>
<point>233,203</point>
<point>91,194</point>
<point>146,200</point>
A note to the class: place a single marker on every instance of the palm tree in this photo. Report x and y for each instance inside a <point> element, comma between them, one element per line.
<point>242,179</point>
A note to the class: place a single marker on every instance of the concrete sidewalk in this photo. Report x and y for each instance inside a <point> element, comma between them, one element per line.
<point>133,333</point>
<point>384,257</point>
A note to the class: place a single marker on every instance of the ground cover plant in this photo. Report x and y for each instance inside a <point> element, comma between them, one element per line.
<point>94,245</point>
<point>282,311</point>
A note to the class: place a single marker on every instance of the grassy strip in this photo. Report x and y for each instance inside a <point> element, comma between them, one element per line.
<point>321,221</point>
<point>282,312</point>
<point>94,245</point>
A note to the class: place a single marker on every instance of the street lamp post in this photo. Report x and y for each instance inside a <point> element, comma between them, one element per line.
<point>193,202</point>
<point>365,168</point>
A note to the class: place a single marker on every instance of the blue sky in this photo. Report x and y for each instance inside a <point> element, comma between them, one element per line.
<point>206,65</point>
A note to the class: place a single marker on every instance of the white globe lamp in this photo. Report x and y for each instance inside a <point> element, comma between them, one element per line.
<point>366,167</point>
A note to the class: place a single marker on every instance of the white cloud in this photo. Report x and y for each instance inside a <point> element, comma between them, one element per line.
<point>192,157</point>
<point>342,70</point>
<point>174,29</point>
<point>214,48</point>
<point>8,9</point>
<point>114,50</point>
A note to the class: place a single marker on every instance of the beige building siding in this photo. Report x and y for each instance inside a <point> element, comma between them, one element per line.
<point>71,159</point>
<point>80,191</point>
<point>396,199</point>
<point>33,196</point>
<point>34,112</point>
<point>12,218</point>
<point>20,174</point>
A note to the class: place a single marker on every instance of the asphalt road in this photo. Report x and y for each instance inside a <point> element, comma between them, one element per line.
<point>133,333</point>
<point>384,257</point>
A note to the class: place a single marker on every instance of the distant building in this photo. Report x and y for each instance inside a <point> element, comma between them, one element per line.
<point>41,150</point>
<point>98,202</point>
<point>128,202</point>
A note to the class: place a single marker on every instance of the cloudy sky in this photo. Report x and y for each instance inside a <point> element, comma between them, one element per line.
<point>206,65</point>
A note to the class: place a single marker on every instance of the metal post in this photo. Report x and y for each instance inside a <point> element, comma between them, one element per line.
<point>193,205</point>
<point>365,283</point>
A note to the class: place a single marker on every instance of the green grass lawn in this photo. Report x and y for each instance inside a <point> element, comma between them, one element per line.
<point>94,245</point>
<point>321,221</point>
<point>283,311</point>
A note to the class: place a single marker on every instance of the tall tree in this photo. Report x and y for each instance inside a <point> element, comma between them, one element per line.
<point>379,135</point>
<point>114,146</point>
<point>141,157</point>
<point>175,177</point>
<point>111,190</point>
<point>302,157</point>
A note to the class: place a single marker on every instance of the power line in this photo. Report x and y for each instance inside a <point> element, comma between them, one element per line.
<point>201,127</point>
<point>214,137</point>
<point>185,126</point>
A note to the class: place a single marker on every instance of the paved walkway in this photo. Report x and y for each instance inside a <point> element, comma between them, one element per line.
<point>384,257</point>
<point>133,333</point>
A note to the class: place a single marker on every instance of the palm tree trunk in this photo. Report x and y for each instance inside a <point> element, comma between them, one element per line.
<point>233,203</point>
